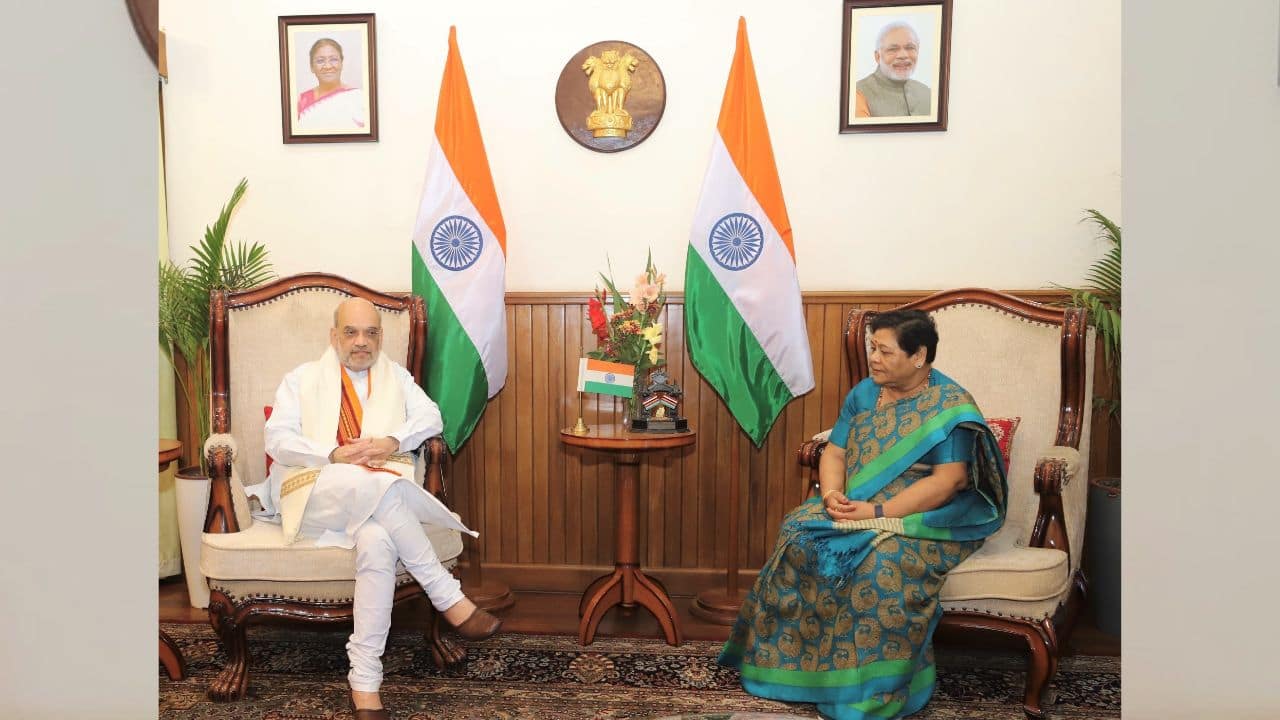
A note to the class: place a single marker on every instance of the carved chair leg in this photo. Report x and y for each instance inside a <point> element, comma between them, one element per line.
<point>1041,662</point>
<point>233,682</point>
<point>445,651</point>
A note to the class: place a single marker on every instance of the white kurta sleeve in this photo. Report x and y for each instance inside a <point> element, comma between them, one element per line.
<point>422,415</point>
<point>285,442</point>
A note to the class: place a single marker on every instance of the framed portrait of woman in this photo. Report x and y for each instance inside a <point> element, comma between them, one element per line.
<point>328,78</point>
<point>894,62</point>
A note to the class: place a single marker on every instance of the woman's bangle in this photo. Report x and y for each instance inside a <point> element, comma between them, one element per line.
<point>825,494</point>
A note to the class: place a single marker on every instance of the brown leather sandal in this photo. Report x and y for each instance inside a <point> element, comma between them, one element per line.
<point>479,625</point>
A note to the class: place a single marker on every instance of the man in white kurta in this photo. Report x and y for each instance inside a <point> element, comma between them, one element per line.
<point>340,431</point>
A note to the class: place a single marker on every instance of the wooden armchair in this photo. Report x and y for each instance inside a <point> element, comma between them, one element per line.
<point>1027,360</point>
<point>257,336</point>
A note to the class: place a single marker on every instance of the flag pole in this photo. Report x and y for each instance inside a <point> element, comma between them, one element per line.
<point>721,606</point>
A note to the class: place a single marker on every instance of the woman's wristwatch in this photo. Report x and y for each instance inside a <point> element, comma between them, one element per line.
<point>879,511</point>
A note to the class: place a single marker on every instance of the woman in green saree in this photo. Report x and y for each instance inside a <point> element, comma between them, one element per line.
<point>843,612</point>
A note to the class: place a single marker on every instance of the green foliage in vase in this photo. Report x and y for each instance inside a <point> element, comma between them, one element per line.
<point>1101,298</point>
<point>216,264</point>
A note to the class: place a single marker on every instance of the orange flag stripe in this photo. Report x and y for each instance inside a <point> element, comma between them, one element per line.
<point>458,131</point>
<point>746,136</point>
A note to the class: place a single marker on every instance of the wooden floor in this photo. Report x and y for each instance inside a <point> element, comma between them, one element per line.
<point>557,614</point>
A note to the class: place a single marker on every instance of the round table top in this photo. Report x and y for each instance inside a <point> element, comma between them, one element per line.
<point>169,451</point>
<point>612,436</point>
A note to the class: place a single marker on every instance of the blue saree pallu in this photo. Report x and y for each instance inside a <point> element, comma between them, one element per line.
<point>843,613</point>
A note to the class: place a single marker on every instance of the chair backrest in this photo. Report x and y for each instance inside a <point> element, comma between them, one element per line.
<point>257,336</point>
<point>1016,358</point>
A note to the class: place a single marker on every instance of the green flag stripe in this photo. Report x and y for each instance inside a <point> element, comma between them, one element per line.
<point>728,355</point>
<point>607,389</point>
<point>453,374</point>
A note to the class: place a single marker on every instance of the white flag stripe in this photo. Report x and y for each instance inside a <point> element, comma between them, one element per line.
<point>470,293</point>
<point>778,326</point>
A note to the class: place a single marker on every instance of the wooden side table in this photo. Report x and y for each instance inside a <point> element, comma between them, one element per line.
<point>175,666</point>
<point>627,585</point>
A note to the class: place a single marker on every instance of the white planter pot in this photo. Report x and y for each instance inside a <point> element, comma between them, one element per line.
<point>192,494</point>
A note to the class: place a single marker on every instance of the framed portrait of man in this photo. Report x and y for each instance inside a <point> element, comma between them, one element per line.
<point>895,56</point>
<point>328,78</point>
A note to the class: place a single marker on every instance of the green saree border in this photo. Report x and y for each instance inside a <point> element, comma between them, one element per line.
<point>912,442</point>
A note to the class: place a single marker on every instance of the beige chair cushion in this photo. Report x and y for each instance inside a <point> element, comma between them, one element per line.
<point>1001,570</point>
<point>260,554</point>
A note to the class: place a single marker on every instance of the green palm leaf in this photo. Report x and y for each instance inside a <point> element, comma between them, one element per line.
<point>184,293</point>
<point>1101,299</point>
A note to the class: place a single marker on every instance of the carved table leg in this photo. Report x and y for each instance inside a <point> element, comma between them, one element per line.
<point>627,586</point>
<point>591,589</point>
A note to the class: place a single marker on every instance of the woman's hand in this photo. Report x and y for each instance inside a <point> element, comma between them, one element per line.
<point>839,507</point>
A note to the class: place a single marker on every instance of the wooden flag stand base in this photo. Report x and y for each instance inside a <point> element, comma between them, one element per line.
<point>721,606</point>
<point>718,606</point>
<point>491,596</point>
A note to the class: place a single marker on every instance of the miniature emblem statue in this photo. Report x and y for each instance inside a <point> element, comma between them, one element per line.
<point>609,81</point>
<point>660,407</point>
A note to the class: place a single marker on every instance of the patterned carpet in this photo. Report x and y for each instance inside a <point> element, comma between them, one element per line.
<point>302,676</point>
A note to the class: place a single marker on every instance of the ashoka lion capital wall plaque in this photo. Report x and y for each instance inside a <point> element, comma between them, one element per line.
<point>610,96</point>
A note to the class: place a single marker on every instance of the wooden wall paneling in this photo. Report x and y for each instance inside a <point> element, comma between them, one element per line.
<point>573,485</point>
<point>560,394</point>
<point>591,469</point>
<point>523,497</point>
<point>508,443</point>
<point>550,509</point>
<point>690,469</point>
<point>490,465</point>
<point>539,412</point>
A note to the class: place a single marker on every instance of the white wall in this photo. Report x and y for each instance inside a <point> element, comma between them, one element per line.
<point>1033,138</point>
<point>1200,530</point>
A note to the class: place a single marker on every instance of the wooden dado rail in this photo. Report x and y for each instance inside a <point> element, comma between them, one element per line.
<point>545,511</point>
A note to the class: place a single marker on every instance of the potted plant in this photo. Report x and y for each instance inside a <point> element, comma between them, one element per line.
<point>1101,298</point>
<point>184,340</point>
<point>184,305</point>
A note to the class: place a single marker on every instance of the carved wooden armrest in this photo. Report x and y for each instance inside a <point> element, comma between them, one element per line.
<point>808,455</point>
<point>434,452</point>
<point>1055,469</point>
<point>220,453</point>
<point>810,452</point>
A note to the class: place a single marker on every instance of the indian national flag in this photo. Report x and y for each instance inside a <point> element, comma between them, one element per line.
<point>459,262</point>
<point>743,317</point>
<point>600,376</point>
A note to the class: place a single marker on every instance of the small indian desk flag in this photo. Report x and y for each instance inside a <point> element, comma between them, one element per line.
<point>609,378</point>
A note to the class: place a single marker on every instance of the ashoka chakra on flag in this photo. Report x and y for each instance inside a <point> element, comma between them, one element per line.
<point>736,241</point>
<point>456,242</point>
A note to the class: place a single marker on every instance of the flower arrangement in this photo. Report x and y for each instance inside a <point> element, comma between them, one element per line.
<point>628,330</point>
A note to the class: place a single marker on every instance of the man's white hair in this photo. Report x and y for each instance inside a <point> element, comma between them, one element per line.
<point>896,25</point>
